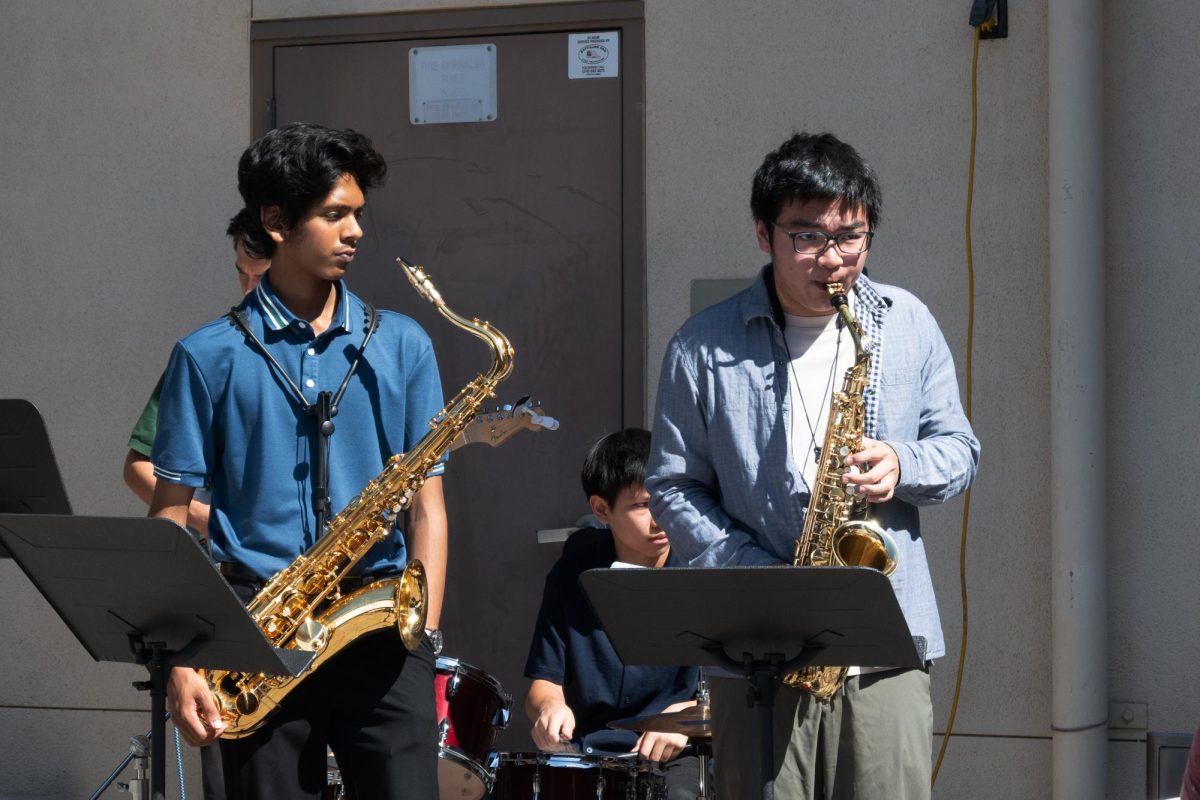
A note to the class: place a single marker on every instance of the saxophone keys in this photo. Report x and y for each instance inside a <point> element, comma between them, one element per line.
<point>311,636</point>
<point>247,703</point>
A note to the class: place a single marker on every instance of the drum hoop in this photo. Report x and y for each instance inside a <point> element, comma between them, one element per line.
<point>451,665</point>
<point>461,759</point>
<point>561,760</point>
<point>580,761</point>
<point>520,758</point>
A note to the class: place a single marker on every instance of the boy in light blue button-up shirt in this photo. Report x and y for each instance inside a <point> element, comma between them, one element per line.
<point>742,401</point>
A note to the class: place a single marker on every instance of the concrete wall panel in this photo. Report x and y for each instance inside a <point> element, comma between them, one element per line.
<point>66,754</point>
<point>1152,240</point>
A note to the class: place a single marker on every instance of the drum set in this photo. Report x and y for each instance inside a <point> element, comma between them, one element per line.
<point>472,709</point>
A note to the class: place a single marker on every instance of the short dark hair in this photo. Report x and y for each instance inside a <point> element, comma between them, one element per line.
<point>296,166</point>
<point>238,231</point>
<point>616,461</point>
<point>815,167</point>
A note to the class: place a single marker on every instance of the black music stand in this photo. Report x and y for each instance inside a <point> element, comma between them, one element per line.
<point>142,590</point>
<point>29,479</point>
<point>761,622</point>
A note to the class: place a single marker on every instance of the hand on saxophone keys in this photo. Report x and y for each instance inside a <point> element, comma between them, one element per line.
<point>873,472</point>
<point>193,709</point>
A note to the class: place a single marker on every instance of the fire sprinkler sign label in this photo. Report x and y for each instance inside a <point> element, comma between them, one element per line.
<point>593,55</point>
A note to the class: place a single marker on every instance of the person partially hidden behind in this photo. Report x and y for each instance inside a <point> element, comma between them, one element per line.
<point>579,683</point>
<point>139,471</point>
<point>237,415</point>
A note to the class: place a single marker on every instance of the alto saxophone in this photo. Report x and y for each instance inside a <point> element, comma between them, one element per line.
<point>836,530</point>
<point>301,606</point>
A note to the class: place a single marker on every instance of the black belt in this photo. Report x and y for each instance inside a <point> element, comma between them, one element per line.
<point>236,572</point>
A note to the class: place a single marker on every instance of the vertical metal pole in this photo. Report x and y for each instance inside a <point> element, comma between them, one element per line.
<point>1077,410</point>
<point>158,725</point>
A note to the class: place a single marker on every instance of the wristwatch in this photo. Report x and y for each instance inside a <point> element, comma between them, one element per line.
<point>436,640</point>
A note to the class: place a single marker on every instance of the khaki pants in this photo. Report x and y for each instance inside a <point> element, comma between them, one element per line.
<point>871,741</point>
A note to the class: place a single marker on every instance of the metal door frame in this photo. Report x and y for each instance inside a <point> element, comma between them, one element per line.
<point>628,16</point>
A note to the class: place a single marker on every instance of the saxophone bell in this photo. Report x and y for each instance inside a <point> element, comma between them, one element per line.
<point>411,601</point>
<point>864,543</point>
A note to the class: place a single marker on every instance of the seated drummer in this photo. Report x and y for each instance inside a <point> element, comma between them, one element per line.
<point>579,683</point>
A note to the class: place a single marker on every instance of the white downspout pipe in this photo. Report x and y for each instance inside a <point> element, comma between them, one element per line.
<point>1077,422</point>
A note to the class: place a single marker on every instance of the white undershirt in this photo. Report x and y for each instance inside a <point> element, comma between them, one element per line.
<point>813,376</point>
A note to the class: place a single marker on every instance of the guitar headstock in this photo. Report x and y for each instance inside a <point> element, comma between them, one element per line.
<point>496,427</point>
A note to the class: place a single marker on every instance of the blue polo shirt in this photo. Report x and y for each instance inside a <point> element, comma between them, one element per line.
<point>227,421</point>
<point>570,649</point>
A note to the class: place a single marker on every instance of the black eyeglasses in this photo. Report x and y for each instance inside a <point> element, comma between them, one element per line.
<point>850,243</point>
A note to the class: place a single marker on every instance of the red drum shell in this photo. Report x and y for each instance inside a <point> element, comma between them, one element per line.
<point>472,709</point>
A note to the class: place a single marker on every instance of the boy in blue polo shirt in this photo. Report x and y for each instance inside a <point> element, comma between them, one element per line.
<point>237,415</point>
<point>579,683</point>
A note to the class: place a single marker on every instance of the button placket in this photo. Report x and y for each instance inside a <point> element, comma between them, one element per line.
<point>310,374</point>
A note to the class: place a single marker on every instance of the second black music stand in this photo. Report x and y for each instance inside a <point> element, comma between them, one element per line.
<point>30,482</point>
<point>142,590</point>
<point>760,622</point>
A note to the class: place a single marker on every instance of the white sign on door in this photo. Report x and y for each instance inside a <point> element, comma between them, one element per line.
<point>453,83</point>
<point>593,55</point>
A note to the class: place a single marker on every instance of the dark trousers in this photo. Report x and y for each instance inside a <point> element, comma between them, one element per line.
<point>373,704</point>
<point>211,774</point>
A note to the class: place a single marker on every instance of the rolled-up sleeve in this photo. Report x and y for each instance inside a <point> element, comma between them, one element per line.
<point>682,475</point>
<point>941,463</point>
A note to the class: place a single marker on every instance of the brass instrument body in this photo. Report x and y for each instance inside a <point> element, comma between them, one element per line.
<point>836,531</point>
<point>301,606</point>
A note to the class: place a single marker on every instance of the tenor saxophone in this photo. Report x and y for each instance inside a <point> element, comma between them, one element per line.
<point>301,606</point>
<point>836,531</point>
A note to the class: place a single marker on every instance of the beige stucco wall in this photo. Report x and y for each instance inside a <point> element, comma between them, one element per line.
<point>122,124</point>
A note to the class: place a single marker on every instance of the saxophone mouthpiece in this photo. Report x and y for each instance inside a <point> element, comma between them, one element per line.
<point>837,295</point>
<point>420,281</point>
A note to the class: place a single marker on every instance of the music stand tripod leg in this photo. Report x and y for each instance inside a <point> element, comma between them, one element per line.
<point>138,786</point>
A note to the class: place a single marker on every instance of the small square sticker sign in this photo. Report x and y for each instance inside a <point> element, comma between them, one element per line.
<point>593,55</point>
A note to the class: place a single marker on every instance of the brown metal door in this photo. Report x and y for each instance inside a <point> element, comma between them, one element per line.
<point>519,221</point>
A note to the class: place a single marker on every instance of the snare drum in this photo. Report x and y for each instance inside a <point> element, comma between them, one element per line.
<point>472,708</point>
<point>568,776</point>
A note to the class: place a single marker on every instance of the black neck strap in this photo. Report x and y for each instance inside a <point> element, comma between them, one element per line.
<point>323,411</point>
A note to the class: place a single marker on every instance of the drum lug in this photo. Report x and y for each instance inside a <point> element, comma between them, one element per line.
<point>501,718</point>
<point>453,684</point>
<point>443,732</point>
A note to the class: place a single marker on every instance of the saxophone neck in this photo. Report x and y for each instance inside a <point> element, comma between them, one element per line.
<point>502,349</point>
<point>840,302</point>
